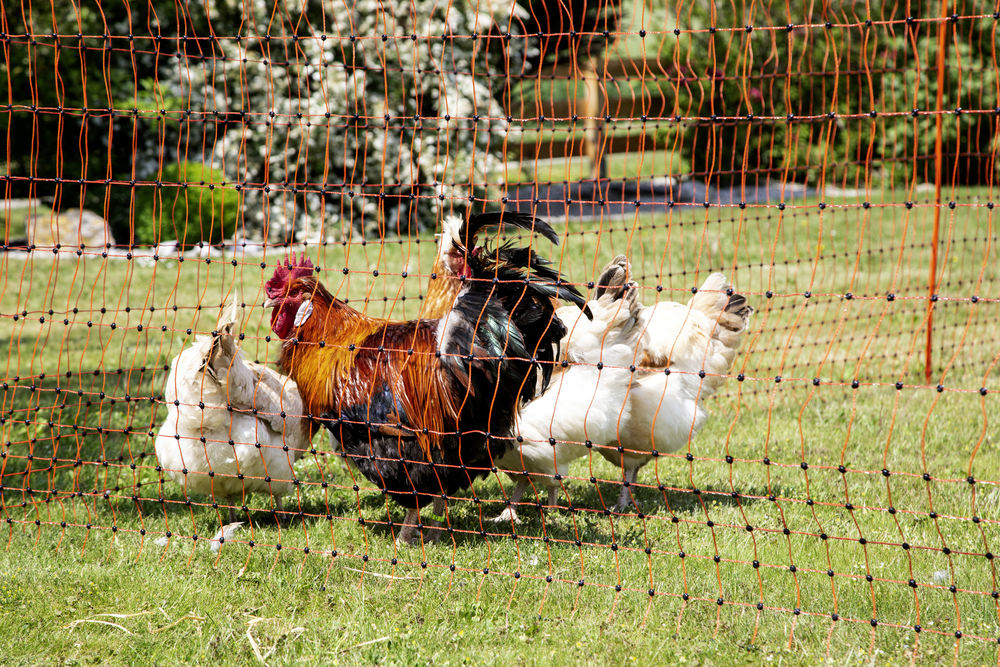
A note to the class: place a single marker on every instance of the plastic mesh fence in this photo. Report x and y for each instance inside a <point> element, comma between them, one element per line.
<point>835,163</point>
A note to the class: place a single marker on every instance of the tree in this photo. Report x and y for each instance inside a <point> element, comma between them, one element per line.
<point>335,120</point>
<point>319,116</point>
<point>82,118</point>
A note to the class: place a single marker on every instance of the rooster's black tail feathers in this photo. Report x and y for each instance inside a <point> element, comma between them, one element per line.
<point>479,221</point>
<point>506,310</point>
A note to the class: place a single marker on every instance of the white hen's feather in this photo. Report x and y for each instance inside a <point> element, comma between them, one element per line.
<point>582,404</point>
<point>665,412</point>
<point>694,336</point>
<point>213,372</point>
<point>585,402</point>
<point>703,335</point>
<point>644,411</point>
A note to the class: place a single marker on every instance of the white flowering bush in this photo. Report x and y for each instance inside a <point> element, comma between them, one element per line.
<point>332,121</point>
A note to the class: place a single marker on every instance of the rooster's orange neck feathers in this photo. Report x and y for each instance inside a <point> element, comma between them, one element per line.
<point>321,353</point>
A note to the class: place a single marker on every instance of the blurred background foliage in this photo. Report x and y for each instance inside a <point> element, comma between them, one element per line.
<point>369,132</point>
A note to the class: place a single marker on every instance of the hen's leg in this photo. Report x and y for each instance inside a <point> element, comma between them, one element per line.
<point>231,503</point>
<point>625,497</point>
<point>510,512</point>
<point>553,496</point>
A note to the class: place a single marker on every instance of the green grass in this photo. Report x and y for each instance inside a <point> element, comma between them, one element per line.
<point>648,164</point>
<point>184,604</point>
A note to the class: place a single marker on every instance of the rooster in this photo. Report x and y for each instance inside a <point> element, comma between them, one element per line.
<point>584,404</point>
<point>233,426</point>
<point>423,407</point>
<point>687,351</point>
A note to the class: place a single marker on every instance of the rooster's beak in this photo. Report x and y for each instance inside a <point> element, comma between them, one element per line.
<point>270,303</point>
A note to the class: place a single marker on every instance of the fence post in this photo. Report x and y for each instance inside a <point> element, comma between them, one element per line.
<point>932,278</point>
<point>593,89</point>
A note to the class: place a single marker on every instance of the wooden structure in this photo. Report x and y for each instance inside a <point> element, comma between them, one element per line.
<point>576,125</point>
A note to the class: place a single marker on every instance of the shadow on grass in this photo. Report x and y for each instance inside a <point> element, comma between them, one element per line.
<point>585,517</point>
<point>583,513</point>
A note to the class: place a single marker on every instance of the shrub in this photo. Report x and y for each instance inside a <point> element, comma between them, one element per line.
<point>59,71</point>
<point>191,206</point>
<point>797,77</point>
<point>970,84</point>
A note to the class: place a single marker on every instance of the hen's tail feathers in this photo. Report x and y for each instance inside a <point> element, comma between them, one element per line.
<point>614,278</point>
<point>711,297</point>
<point>622,309</point>
<point>616,321</point>
<point>736,316</point>
<point>230,316</point>
<point>717,300</point>
<point>625,296</point>
<point>731,314</point>
<point>223,346</point>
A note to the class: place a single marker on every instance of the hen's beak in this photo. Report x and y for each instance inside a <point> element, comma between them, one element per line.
<point>270,303</point>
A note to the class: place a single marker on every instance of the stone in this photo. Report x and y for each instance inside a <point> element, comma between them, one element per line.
<point>68,228</point>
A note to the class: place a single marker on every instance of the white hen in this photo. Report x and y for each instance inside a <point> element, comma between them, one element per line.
<point>224,454</point>
<point>584,403</point>
<point>697,343</point>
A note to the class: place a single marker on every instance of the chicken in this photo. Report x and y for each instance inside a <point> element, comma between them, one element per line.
<point>584,404</point>
<point>687,350</point>
<point>225,453</point>
<point>423,407</point>
<point>458,237</point>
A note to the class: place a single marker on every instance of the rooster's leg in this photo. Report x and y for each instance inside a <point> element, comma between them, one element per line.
<point>408,533</point>
<point>232,514</point>
<point>345,460</point>
<point>625,497</point>
<point>435,524</point>
<point>553,497</point>
<point>510,513</point>
<point>279,508</point>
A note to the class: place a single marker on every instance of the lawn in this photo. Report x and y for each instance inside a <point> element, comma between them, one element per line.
<point>851,492</point>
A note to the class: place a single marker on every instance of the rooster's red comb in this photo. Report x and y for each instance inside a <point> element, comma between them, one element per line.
<point>292,269</point>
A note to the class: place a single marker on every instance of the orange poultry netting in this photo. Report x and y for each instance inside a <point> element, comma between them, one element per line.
<point>835,162</point>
